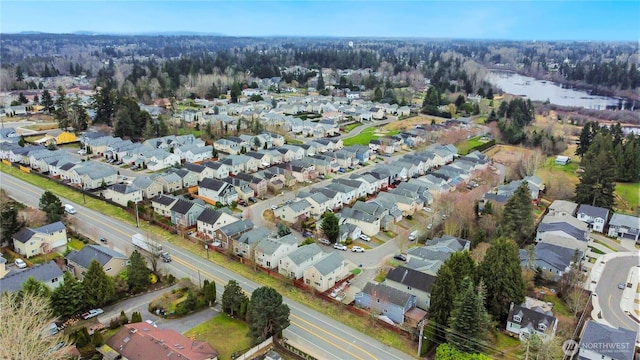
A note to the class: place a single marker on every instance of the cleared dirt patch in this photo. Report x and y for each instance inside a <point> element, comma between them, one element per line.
<point>411,122</point>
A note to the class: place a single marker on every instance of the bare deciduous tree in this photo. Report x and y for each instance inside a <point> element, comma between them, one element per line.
<point>23,322</point>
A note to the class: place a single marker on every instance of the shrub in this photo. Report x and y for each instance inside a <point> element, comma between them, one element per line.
<point>114,323</point>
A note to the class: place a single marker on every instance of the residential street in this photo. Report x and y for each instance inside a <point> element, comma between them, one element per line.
<point>329,338</point>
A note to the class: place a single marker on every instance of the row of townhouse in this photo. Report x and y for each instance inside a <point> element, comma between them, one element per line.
<point>235,144</point>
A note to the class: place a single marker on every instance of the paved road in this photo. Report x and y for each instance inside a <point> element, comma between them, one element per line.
<point>609,295</point>
<point>329,338</point>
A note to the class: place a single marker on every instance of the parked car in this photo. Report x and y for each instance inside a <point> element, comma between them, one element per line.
<point>340,247</point>
<point>341,170</point>
<point>428,209</point>
<point>400,257</point>
<point>242,202</point>
<point>253,200</point>
<point>216,243</point>
<point>429,226</point>
<point>357,249</point>
<point>322,177</point>
<point>20,263</point>
<point>325,241</point>
<point>365,237</point>
<point>152,323</point>
<point>82,152</point>
<point>274,207</point>
<point>621,285</point>
<point>103,240</point>
<point>307,233</point>
<point>92,313</point>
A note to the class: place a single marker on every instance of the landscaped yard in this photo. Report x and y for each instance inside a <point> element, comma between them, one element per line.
<point>75,244</point>
<point>190,130</point>
<point>225,334</point>
<point>350,127</point>
<point>463,148</point>
<point>363,138</point>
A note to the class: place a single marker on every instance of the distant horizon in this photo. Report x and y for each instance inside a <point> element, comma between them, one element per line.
<point>598,21</point>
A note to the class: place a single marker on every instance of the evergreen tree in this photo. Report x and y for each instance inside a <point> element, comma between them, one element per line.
<point>442,295</point>
<point>469,321</point>
<point>96,339</point>
<point>35,288</point>
<point>98,286</point>
<point>19,75</point>
<point>377,94</point>
<point>52,206</point>
<point>138,272</point>
<point>267,315</point>
<point>586,137</point>
<point>502,275</point>
<point>78,116</point>
<point>232,298</point>
<point>490,94</point>
<point>321,85</point>
<point>597,182</point>
<point>517,219</point>
<point>283,229</point>
<point>47,102</point>
<point>462,266</point>
<point>330,226</point>
<point>104,105</point>
<point>629,166</point>
<point>136,317</point>
<point>61,112</point>
<point>209,290</point>
<point>21,141</point>
<point>22,99</point>
<point>9,223</point>
<point>68,298</point>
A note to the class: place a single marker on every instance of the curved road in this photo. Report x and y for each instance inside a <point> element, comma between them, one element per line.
<point>609,296</point>
<point>318,334</point>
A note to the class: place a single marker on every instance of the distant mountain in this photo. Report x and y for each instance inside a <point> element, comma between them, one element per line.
<point>151,33</point>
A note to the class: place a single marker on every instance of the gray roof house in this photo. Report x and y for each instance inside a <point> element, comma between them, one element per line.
<point>550,258</point>
<point>244,245</point>
<point>293,264</point>
<point>567,226</point>
<point>149,188</point>
<point>600,341</point>
<point>324,274</point>
<point>386,300</point>
<point>562,207</point>
<point>227,233</point>
<point>269,251</point>
<point>185,213</point>
<point>112,262</point>
<point>48,274</point>
<point>430,257</point>
<point>414,282</point>
<point>625,226</point>
<point>595,217</point>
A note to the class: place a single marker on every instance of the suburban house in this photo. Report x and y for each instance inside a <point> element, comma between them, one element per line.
<point>170,182</point>
<point>257,184</point>
<point>386,301</point>
<point>595,217</point>
<point>226,146</point>
<point>31,242</point>
<point>141,341</point>
<point>162,204</point>
<point>600,341</point>
<point>324,274</point>
<point>122,194</point>
<point>217,191</point>
<point>566,226</point>
<point>270,250</point>
<point>319,204</point>
<point>524,321</point>
<point>228,232</point>
<point>244,245</point>
<point>48,273</point>
<point>550,258</point>
<point>92,175</point>
<point>434,253</point>
<point>112,262</point>
<point>242,188</point>
<point>625,226</point>
<point>150,188</point>
<point>413,282</point>
<point>562,208</point>
<point>293,264</point>
<point>188,177</point>
<point>369,224</point>
<point>218,169</point>
<point>185,213</point>
<point>194,153</point>
<point>201,170</point>
<point>293,212</point>
<point>211,220</point>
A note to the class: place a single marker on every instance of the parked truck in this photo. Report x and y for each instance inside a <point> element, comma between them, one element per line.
<point>150,246</point>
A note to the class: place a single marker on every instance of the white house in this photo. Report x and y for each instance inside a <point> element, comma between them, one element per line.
<point>293,264</point>
<point>595,217</point>
<point>324,274</point>
<point>269,251</point>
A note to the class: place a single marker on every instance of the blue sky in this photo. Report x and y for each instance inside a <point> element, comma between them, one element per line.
<point>517,20</point>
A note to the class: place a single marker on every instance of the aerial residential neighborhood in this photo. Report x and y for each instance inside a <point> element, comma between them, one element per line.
<point>301,195</point>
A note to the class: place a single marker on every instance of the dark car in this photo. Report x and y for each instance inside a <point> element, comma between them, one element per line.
<point>253,200</point>
<point>400,257</point>
<point>103,240</point>
<point>307,234</point>
<point>242,202</point>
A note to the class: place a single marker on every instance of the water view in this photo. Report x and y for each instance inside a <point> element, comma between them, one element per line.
<point>540,90</point>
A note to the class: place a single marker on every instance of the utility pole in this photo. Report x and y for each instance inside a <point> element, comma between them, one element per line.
<point>420,336</point>
<point>137,218</point>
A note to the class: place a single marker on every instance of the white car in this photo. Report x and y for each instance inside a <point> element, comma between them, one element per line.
<point>365,237</point>
<point>357,249</point>
<point>20,263</point>
<point>82,152</point>
<point>216,243</point>
<point>429,226</point>
<point>339,247</point>
<point>273,207</point>
<point>92,313</point>
<point>152,323</point>
<point>428,209</point>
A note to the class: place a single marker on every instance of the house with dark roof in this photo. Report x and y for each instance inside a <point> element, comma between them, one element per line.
<point>185,213</point>
<point>430,257</point>
<point>220,170</point>
<point>150,188</point>
<point>112,262</point>
<point>227,233</point>
<point>562,225</point>
<point>293,264</point>
<point>257,184</point>
<point>386,301</point>
<point>47,273</point>
<point>595,217</point>
<point>625,226</point>
<point>368,223</point>
<point>162,204</point>
<point>599,341</point>
<point>188,177</point>
<point>293,212</point>
<point>202,171</point>
<point>141,341</point>
<point>211,220</point>
<point>524,322</point>
<point>269,251</point>
<point>122,194</point>
<point>413,282</point>
<point>217,191</point>
<point>550,258</point>
<point>243,246</point>
<point>324,274</point>
<point>31,242</point>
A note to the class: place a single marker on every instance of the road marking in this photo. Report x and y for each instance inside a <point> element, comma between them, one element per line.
<point>612,310</point>
<point>301,326</point>
<point>213,277</point>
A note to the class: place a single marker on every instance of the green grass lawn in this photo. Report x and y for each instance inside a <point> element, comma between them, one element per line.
<point>629,192</point>
<point>596,250</point>
<point>76,244</point>
<point>363,138</point>
<point>569,169</point>
<point>225,334</point>
<point>350,127</point>
<point>559,308</point>
<point>605,245</point>
<point>505,342</point>
<point>463,148</point>
<point>189,130</point>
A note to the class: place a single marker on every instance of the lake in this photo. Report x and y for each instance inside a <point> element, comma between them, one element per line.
<point>541,90</point>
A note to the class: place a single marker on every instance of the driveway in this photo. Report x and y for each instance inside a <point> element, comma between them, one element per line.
<point>141,304</point>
